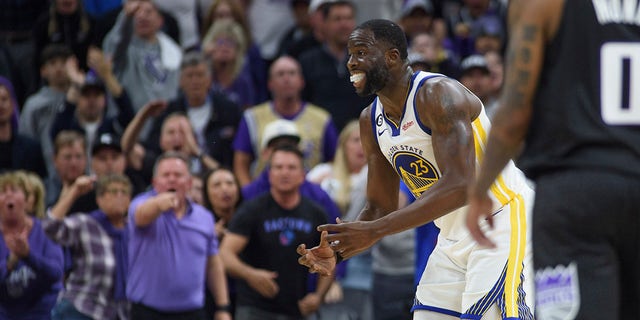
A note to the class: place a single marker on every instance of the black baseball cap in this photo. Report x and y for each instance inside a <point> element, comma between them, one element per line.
<point>106,140</point>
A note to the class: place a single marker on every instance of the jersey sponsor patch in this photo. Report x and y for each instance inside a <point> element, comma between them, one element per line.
<point>557,292</point>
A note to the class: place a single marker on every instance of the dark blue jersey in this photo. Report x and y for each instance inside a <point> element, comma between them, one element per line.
<point>586,111</point>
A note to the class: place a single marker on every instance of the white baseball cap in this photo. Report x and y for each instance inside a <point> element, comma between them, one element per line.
<point>315,4</point>
<point>279,128</point>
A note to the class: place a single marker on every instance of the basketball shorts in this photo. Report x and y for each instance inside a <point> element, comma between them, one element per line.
<point>465,280</point>
<point>586,245</point>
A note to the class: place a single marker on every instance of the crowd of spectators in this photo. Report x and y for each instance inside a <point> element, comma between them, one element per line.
<point>133,131</point>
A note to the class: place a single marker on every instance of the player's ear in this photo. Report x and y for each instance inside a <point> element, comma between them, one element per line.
<point>392,56</point>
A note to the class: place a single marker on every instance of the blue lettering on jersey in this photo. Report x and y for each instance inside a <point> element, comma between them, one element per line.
<point>416,172</point>
<point>287,223</point>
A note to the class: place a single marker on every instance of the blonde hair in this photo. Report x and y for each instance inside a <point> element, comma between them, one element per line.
<point>233,30</point>
<point>35,188</point>
<point>340,167</point>
<point>14,179</point>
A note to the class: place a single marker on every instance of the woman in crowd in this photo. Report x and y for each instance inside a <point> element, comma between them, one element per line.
<point>95,286</point>
<point>225,46</point>
<point>234,10</point>
<point>345,181</point>
<point>221,195</point>
<point>31,265</point>
<point>35,189</point>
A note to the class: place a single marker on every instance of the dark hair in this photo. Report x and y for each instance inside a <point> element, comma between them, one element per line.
<point>388,32</point>
<point>290,149</point>
<point>193,59</point>
<point>326,7</point>
<point>54,51</point>
<point>205,188</point>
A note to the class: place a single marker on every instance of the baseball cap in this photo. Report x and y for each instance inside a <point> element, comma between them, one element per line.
<point>475,61</point>
<point>315,4</point>
<point>411,5</point>
<point>92,81</point>
<point>106,140</point>
<point>278,129</point>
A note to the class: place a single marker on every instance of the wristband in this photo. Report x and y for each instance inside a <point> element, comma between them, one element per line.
<point>223,308</point>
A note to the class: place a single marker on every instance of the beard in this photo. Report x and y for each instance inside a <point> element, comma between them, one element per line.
<point>376,80</point>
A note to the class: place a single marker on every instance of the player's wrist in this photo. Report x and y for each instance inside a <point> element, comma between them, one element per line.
<point>223,308</point>
<point>339,257</point>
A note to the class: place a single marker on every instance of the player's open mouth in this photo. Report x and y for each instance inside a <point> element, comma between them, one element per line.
<point>357,79</point>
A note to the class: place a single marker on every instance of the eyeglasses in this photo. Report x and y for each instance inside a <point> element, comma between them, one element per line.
<point>116,191</point>
<point>226,42</point>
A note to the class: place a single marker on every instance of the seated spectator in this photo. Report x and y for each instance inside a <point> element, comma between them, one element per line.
<point>489,35</point>
<point>31,265</point>
<point>95,286</point>
<point>17,151</point>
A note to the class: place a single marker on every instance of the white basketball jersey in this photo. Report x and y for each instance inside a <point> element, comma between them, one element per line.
<point>409,149</point>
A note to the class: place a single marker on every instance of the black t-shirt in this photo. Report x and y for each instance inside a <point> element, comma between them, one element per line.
<point>5,156</point>
<point>274,234</point>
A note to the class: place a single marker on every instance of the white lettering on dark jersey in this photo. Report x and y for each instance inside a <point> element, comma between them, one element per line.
<point>617,11</point>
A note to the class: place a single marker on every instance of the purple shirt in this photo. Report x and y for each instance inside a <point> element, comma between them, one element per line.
<point>168,258</point>
<point>29,291</point>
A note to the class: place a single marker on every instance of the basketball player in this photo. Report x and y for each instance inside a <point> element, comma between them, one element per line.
<point>572,94</point>
<point>428,130</point>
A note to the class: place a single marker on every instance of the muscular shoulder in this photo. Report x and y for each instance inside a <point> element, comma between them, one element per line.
<point>442,99</point>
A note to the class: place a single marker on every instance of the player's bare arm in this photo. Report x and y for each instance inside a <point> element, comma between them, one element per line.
<point>448,109</point>
<point>533,23</point>
<point>383,182</point>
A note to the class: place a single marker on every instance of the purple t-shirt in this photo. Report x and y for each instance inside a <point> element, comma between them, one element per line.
<point>168,258</point>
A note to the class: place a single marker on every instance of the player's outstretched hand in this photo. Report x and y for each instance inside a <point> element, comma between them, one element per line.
<point>319,259</point>
<point>480,206</point>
